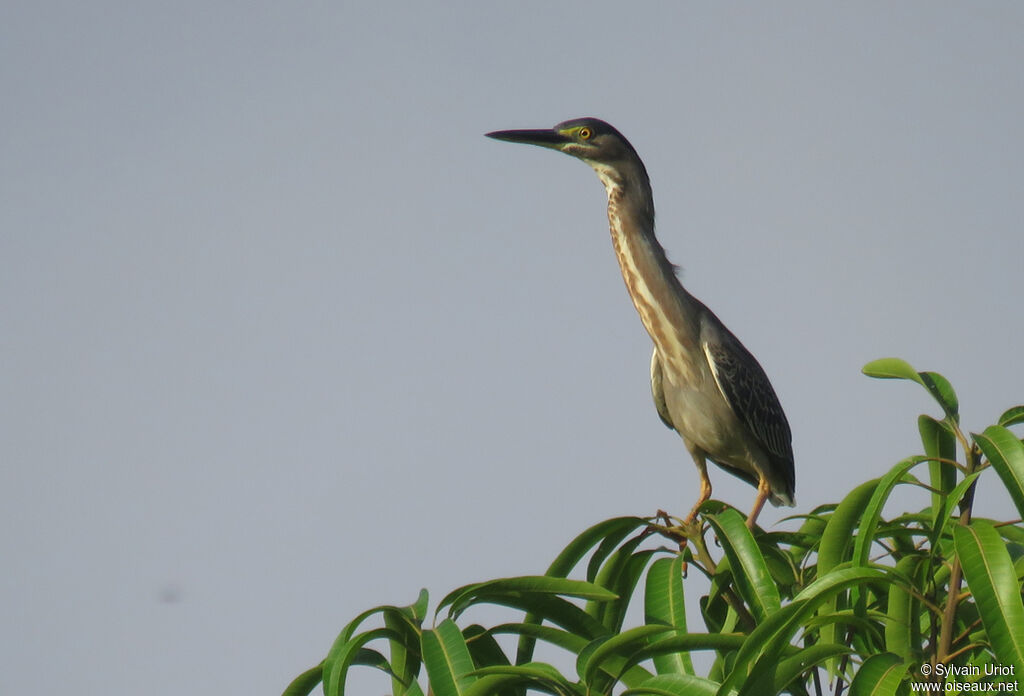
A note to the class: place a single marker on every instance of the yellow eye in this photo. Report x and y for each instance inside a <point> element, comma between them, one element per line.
<point>585,133</point>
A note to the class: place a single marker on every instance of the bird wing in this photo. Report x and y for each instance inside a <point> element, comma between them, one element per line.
<point>658,389</point>
<point>746,388</point>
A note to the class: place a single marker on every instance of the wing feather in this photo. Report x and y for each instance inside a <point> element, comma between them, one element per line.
<point>746,388</point>
<point>658,390</point>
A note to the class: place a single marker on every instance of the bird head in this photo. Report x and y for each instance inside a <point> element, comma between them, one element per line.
<point>608,153</point>
<point>590,139</point>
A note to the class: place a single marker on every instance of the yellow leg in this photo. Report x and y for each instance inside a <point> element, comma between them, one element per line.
<point>763,491</point>
<point>705,488</point>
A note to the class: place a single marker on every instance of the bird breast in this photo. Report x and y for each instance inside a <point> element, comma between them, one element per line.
<point>704,419</point>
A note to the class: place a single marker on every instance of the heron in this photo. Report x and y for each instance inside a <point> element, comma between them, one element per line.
<point>706,385</point>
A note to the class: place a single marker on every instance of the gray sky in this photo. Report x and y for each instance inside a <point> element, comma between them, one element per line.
<point>284,337</point>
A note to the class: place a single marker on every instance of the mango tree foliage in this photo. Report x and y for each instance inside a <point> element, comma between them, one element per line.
<point>847,596</point>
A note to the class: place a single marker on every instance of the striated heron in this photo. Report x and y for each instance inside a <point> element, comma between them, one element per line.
<point>706,384</point>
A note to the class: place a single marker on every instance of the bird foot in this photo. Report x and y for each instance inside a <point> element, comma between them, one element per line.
<point>689,534</point>
<point>678,530</point>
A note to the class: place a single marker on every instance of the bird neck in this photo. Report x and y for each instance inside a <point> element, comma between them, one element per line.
<point>629,189</point>
<point>660,300</point>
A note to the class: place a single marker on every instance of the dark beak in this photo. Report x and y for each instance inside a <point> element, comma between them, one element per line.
<point>543,137</point>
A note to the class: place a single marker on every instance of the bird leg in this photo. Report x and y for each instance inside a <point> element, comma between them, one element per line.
<point>705,488</point>
<point>689,529</point>
<point>763,491</point>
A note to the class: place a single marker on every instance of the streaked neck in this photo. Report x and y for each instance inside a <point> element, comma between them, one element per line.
<point>659,298</point>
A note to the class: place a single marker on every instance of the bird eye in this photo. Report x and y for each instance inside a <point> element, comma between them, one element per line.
<point>585,133</point>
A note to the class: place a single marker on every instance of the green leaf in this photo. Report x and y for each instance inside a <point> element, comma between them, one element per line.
<point>902,614</point>
<point>722,643</point>
<point>665,604</point>
<point>616,649</point>
<point>304,684</point>
<point>483,647</point>
<point>616,528</point>
<point>943,515</point>
<point>487,653</point>
<point>785,571</point>
<point>838,534</point>
<point>1012,533</point>
<point>350,628</point>
<point>371,658</point>
<point>880,675</point>
<point>405,647</point>
<point>869,532</point>
<point>992,580</point>
<point>533,675</point>
<point>1012,416</point>
<point>873,511</point>
<point>344,654</point>
<point>619,575</point>
<point>567,640</point>
<point>476,593</point>
<point>558,611</point>
<point>771,674</point>
<point>939,442</point>
<point>942,391</point>
<point>403,624</point>
<point>447,660</point>
<point>793,666</point>
<point>415,612</point>
<point>753,580</point>
<point>937,385</point>
<point>674,685</point>
<point>891,368</point>
<point>688,642</point>
<point>412,690</point>
<point>610,544</point>
<point>832,550</point>
<point>807,538</point>
<point>1006,453</point>
<point>418,609</point>
<point>864,627</point>
<point>766,642</point>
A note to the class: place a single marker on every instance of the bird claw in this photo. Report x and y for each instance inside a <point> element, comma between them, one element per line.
<point>678,530</point>
<point>689,534</point>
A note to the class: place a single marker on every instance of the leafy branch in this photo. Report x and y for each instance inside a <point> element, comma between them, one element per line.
<point>843,597</point>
